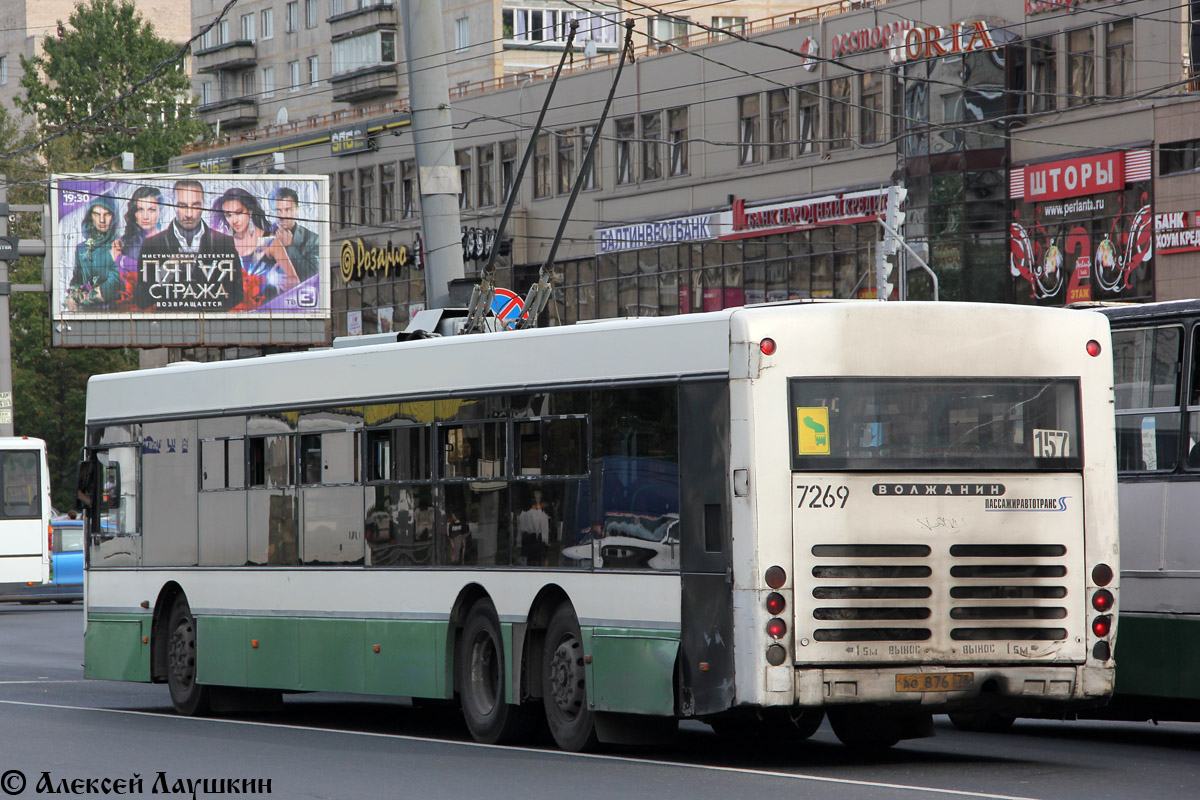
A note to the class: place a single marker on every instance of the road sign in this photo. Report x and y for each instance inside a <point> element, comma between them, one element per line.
<point>508,307</point>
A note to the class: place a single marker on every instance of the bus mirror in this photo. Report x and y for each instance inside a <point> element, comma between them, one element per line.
<point>85,484</point>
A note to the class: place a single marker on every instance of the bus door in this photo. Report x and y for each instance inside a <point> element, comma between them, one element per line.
<point>706,634</point>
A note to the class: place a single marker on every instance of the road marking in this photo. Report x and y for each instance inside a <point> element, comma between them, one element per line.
<point>595,756</point>
<point>43,680</point>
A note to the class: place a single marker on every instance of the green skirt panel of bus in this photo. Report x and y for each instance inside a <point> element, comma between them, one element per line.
<point>631,671</point>
<point>1158,656</point>
<point>114,647</point>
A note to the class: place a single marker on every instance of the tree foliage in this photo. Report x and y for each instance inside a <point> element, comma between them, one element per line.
<point>49,383</point>
<point>103,51</point>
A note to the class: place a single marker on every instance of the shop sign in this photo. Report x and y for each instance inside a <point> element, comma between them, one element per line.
<point>932,41</point>
<point>1173,232</point>
<point>1074,177</point>
<point>649,234</point>
<point>349,140</point>
<point>810,50</point>
<point>862,40</point>
<point>841,209</point>
<point>359,259</point>
<point>1034,8</point>
<point>215,165</point>
<point>477,243</point>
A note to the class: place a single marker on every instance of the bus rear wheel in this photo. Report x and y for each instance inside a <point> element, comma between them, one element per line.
<point>482,678</point>
<point>564,684</point>
<point>189,697</point>
<point>982,721</point>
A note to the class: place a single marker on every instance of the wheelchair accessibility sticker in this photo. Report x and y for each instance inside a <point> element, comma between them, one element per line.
<point>812,431</point>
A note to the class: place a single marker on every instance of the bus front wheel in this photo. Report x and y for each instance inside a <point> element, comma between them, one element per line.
<point>188,696</point>
<point>482,678</point>
<point>564,684</point>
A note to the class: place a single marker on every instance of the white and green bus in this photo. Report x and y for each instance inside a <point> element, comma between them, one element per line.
<point>754,518</point>
<point>24,514</point>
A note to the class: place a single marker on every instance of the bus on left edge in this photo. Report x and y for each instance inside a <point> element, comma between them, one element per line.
<point>24,513</point>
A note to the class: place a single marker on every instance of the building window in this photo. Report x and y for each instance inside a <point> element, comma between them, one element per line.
<point>365,50</point>
<point>366,196</point>
<point>267,23</point>
<point>733,24</point>
<point>677,135</point>
<point>337,7</point>
<point>808,120</point>
<point>485,178</point>
<point>839,113</point>
<point>749,123</point>
<point>550,26</point>
<point>268,82</point>
<point>462,162</point>
<point>542,183</point>
<point>1081,47</point>
<point>565,141</point>
<point>408,189</point>
<point>3,70</point>
<point>248,27</point>
<point>779,118</point>
<point>664,29</point>
<point>462,34</point>
<point>508,167</point>
<point>206,93</point>
<point>870,121</point>
<point>387,192</point>
<point>310,13</point>
<point>626,129</point>
<point>1043,65</point>
<point>248,83</point>
<point>223,32</point>
<point>1178,157</point>
<point>291,16</point>
<point>591,178</point>
<point>345,198</point>
<point>1118,58</point>
<point>652,168</point>
<point>293,76</point>
<point>314,71</point>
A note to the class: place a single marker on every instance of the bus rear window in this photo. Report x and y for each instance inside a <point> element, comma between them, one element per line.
<point>875,424</point>
<point>20,482</point>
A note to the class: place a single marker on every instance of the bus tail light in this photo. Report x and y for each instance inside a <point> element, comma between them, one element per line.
<point>776,577</point>
<point>1093,348</point>
<point>776,655</point>
<point>767,346</point>
<point>775,604</point>
<point>1102,625</point>
<point>1102,574</point>
<point>1102,651</point>
<point>1103,600</point>
<point>776,628</point>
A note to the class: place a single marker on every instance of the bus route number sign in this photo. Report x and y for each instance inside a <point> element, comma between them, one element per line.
<point>934,682</point>
<point>1051,444</point>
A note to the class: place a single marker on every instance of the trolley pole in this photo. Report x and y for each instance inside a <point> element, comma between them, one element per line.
<point>433,138</point>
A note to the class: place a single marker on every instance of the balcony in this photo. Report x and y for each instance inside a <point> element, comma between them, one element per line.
<point>234,55</point>
<point>237,112</point>
<point>365,84</point>
<point>362,20</point>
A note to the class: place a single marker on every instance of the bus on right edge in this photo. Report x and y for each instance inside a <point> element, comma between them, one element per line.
<point>1156,358</point>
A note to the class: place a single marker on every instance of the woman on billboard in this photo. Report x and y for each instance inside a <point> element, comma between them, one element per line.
<point>141,222</point>
<point>267,270</point>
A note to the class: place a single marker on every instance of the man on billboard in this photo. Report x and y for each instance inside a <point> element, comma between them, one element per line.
<point>188,266</point>
<point>95,282</point>
<point>301,243</point>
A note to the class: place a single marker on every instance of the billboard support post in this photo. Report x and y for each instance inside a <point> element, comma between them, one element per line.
<point>6,404</point>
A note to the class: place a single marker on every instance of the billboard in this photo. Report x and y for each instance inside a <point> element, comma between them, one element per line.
<point>154,260</point>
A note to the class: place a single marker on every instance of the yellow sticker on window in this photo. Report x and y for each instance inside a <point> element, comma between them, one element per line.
<point>812,431</point>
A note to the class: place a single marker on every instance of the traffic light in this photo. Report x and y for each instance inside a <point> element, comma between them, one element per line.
<point>893,236</point>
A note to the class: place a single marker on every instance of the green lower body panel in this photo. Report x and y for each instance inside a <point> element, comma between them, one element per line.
<point>1157,656</point>
<point>632,671</point>
<point>113,649</point>
<point>389,657</point>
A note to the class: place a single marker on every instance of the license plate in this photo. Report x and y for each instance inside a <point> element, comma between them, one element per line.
<point>934,682</point>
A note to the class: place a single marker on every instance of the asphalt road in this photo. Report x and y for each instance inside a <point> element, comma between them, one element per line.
<point>56,727</point>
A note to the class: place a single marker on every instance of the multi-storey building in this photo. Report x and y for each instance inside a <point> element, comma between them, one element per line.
<point>1039,144</point>
<point>273,61</point>
<point>24,24</point>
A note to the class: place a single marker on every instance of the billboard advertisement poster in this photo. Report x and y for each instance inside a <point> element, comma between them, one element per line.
<point>197,246</point>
